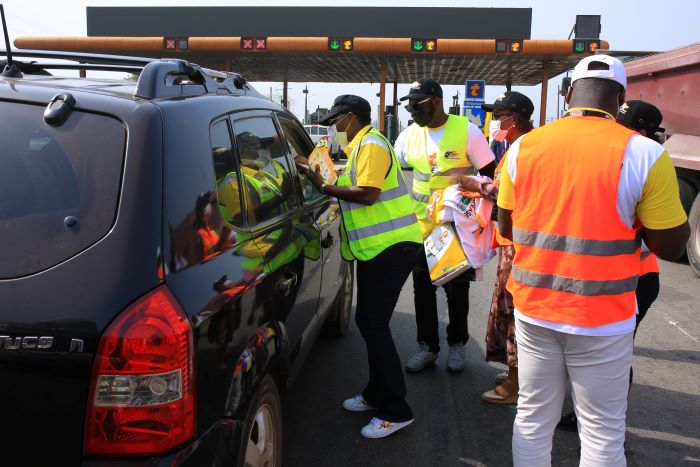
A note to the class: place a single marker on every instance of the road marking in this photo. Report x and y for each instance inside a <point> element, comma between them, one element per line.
<point>662,436</point>
<point>472,462</point>
<point>675,323</point>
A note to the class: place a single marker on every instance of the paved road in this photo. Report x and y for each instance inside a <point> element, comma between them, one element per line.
<point>454,427</point>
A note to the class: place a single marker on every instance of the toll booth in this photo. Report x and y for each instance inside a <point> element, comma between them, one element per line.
<point>340,44</point>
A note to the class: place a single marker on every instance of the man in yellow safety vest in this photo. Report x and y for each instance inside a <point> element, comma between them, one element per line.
<point>381,232</point>
<point>438,147</point>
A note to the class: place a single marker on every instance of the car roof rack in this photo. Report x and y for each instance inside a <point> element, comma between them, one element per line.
<point>158,78</point>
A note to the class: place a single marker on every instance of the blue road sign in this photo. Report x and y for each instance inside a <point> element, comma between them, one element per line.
<point>475,89</point>
<point>476,115</point>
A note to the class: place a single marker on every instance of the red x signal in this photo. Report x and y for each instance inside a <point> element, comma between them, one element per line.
<point>170,44</point>
<point>247,44</point>
<point>260,44</point>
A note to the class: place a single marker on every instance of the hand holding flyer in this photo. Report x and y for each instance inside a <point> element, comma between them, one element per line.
<point>322,159</point>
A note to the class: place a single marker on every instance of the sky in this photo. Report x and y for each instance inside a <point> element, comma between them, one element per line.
<point>629,25</point>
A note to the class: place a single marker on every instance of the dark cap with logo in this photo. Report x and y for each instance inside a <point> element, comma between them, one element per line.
<point>640,115</point>
<point>513,101</point>
<point>344,104</point>
<point>424,87</point>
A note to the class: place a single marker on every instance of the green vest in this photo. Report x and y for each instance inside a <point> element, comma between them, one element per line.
<point>452,159</point>
<point>369,230</point>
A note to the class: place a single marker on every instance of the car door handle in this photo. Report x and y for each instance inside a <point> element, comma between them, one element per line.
<point>328,241</point>
<point>286,285</point>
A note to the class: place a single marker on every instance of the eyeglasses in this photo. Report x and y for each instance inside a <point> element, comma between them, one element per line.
<point>412,107</point>
<point>338,119</point>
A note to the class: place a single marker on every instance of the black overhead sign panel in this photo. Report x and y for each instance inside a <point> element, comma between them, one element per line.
<point>336,22</point>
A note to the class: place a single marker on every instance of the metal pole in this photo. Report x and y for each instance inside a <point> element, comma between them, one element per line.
<point>284,94</point>
<point>558,95</point>
<point>543,97</point>
<point>382,83</point>
<point>306,104</point>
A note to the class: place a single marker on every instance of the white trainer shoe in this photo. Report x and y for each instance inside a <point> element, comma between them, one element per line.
<point>424,358</point>
<point>455,359</point>
<point>378,428</point>
<point>357,404</point>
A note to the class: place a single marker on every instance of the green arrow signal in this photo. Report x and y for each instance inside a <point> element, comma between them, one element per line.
<point>335,45</point>
<point>417,45</point>
<point>580,47</point>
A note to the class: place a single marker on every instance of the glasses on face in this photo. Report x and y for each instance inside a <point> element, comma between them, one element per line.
<point>413,107</point>
<point>338,119</point>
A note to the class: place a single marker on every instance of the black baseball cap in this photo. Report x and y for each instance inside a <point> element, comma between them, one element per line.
<point>424,87</point>
<point>513,101</point>
<point>640,115</point>
<point>344,104</point>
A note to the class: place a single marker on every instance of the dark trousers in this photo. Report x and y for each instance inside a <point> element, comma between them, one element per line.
<point>647,292</point>
<point>425,300</point>
<point>379,283</point>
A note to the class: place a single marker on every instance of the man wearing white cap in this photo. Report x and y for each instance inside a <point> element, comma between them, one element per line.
<point>576,197</point>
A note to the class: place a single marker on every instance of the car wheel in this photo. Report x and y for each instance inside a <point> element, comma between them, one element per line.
<point>693,246</point>
<point>339,320</point>
<point>263,428</point>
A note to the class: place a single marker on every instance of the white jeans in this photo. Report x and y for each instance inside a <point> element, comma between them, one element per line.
<point>598,368</point>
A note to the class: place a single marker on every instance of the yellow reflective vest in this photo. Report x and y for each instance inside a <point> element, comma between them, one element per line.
<point>432,172</point>
<point>369,230</point>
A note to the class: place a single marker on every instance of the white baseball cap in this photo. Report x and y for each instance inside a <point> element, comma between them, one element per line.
<point>615,70</point>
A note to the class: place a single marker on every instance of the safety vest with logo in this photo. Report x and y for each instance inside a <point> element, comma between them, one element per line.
<point>432,172</point>
<point>369,230</point>
<point>576,262</point>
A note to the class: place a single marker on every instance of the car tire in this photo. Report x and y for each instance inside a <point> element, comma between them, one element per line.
<point>687,194</point>
<point>262,436</point>
<point>339,319</point>
<point>693,245</point>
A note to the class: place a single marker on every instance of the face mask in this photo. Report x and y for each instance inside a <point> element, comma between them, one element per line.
<point>494,126</point>
<point>499,134</point>
<point>337,138</point>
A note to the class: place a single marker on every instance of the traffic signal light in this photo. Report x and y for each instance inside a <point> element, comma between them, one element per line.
<point>337,43</point>
<point>509,46</point>
<point>253,43</point>
<point>579,46</point>
<point>593,46</point>
<point>424,45</point>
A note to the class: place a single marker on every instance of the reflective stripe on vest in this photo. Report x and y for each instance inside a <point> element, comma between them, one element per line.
<point>450,160</point>
<point>579,246</point>
<point>369,230</point>
<point>575,262</point>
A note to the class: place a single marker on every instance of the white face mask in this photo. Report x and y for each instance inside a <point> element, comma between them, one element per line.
<point>494,126</point>
<point>337,138</point>
<point>499,134</point>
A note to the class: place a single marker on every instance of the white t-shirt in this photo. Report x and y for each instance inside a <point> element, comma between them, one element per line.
<point>640,156</point>
<point>478,150</point>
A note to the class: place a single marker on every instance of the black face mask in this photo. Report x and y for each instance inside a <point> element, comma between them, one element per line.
<point>422,115</point>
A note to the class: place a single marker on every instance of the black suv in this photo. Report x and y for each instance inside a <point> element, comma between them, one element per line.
<point>164,270</point>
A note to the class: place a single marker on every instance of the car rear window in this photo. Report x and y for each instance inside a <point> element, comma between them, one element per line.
<point>59,186</point>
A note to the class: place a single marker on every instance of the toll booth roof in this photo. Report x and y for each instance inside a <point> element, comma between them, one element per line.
<point>333,44</point>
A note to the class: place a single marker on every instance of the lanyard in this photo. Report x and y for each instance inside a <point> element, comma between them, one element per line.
<point>592,109</point>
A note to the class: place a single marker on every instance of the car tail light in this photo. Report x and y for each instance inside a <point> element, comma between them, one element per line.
<point>142,388</point>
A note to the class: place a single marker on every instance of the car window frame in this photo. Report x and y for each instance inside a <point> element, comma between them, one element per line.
<point>282,116</point>
<point>299,204</point>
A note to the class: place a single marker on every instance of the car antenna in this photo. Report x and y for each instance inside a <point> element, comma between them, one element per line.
<point>10,71</point>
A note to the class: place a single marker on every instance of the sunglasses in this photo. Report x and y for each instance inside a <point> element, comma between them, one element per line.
<point>411,107</point>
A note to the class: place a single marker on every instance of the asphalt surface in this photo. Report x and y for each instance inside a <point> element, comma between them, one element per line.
<point>453,427</point>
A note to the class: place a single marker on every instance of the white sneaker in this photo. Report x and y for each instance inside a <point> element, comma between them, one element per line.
<point>357,404</point>
<point>424,358</point>
<point>455,359</point>
<point>378,428</point>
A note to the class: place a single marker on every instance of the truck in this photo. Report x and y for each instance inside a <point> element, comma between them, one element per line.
<point>671,81</point>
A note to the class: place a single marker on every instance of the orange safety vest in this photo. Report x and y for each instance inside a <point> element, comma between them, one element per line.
<point>575,261</point>
<point>649,263</point>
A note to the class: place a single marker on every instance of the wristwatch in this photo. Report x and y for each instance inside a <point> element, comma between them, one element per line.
<point>323,188</point>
